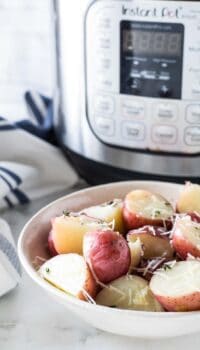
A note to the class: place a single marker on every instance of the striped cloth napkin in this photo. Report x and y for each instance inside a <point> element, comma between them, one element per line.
<point>30,167</point>
<point>9,263</point>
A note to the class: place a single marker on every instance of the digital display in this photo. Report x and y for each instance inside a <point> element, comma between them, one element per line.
<point>152,42</point>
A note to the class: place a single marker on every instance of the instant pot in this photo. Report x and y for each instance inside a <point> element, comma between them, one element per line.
<point>128,99</point>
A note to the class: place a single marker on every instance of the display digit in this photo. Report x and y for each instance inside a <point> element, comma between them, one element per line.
<point>174,44</point>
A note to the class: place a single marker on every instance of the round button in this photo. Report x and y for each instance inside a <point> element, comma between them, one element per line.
<point>193,114</point>
<point>165,112</point>
<point>135,85</point>
<point>164,134</point>
<point>165,91</point>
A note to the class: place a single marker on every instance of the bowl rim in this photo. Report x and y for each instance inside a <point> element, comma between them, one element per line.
<point>67,297</point>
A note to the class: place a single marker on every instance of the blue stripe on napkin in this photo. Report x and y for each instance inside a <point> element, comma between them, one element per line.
<point>29,97</point>
<point>6,181</point>
<point>13,175</point>
<point>8,202</point>
<point>7,248</point>
<point>7,127</point>
<point>21,196</point>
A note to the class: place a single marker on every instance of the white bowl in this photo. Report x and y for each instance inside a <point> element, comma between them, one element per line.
<point>32,243</point>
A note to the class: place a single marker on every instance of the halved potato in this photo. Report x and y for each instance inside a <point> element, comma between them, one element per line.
<point>108,212</point>
<point>189,199</point>
<point>154,242</point>
<point>186,237</point>
<point>128,292</point>
<point>177,287</point>
<point>70,273</point>
<point>142,208</point>
<point>68,232</point>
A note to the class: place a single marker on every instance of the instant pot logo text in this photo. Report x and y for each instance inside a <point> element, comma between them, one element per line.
<point>165,12</point>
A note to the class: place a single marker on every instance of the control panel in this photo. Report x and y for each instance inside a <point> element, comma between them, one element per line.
<point>151,59</point>
<point>143,74</point>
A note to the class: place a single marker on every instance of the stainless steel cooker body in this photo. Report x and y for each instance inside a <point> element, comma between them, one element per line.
<point>102,112</point>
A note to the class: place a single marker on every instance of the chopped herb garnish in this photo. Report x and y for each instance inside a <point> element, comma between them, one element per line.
<point>110,202</point>
<point>167,267</point>
<point>157,212</point>
<point>113,306</point>
<point>66,212</point>
<point>47,269</point>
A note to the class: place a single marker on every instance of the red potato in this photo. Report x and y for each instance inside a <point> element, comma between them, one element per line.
<point>68,231</point>
<point>142,208</point>
<point>109,212</point>
<point>186,236</point>
<point>51,246</point>
<point>189,199</point>
<point>177,288</point>
<point>107,254</point>
<point>154,240</point>
<point>70,273</point>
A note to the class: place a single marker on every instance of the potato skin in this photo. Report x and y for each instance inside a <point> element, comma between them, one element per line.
<point>133,220</point>
<point>182,234</point>
<point>107,254</point>
<point>184,303</point>
<point>183,247</point>
<point>51,246</point>
<point>90,286</point>
<point>194,216</point>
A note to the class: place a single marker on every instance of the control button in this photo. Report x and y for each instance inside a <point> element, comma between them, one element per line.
<point>103,41</point>
<point>135,85</point>
<point>104,22</point>
<point>104,63</point>
<point>132,109</point>
<point>165,112</point>
<point>193,114</point>
<point>105,126</point>
<point>165,91</point>
<point>104,104</point>
<point>133,131</point>
<point>104,82</point>
<point>196,89</point>
<point>192,136</point>
<point>164,134</point>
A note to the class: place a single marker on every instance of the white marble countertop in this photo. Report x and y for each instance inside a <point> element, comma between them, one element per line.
<point>29,320</point>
